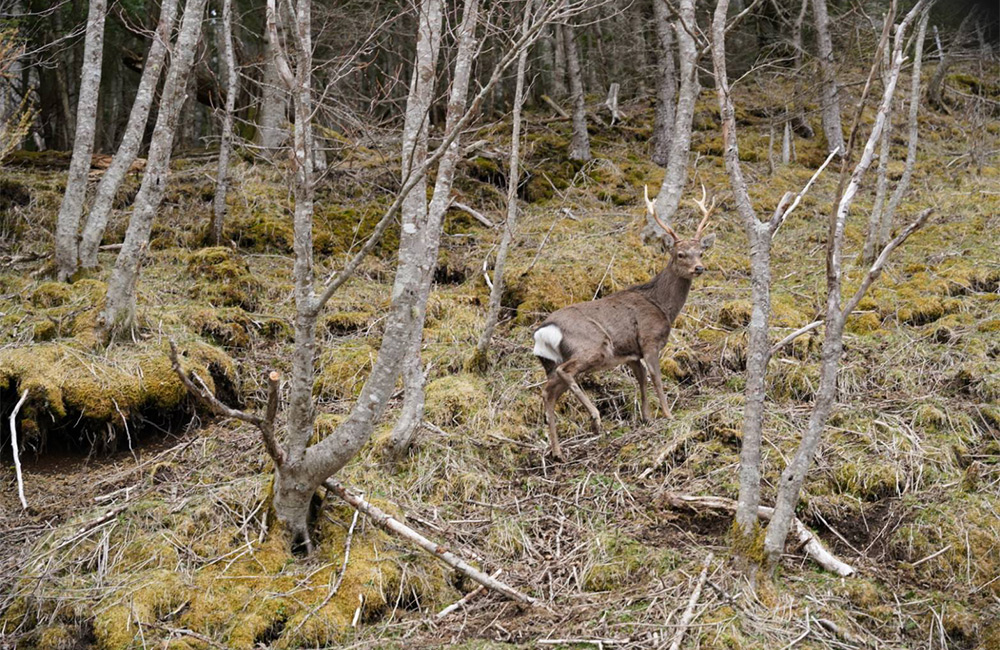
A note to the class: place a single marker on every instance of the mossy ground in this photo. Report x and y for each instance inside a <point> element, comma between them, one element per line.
<point>910,464</point>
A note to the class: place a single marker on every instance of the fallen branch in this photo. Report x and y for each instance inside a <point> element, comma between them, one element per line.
<point>465,599</point>
<point>688,615</point>
<point>13,444</point>
<point>794,335</point>
<point>813,546</point>
<point>475,214</point>
<point>556,107</point>
<point>390,524</point>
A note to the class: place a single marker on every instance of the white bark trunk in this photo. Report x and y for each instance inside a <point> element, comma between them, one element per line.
<point>830,94</point>
<point>226,145</point>
<point>119,309</point>
<point>68,222</point>
<point>271,131</point>
<point>881,178</point>
<point>675,177</point>
<point>128,150</point>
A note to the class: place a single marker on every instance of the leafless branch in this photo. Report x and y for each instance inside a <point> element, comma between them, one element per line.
<point>15,450</point>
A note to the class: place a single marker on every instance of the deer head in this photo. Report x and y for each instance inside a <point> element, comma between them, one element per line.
<point>685,257</point>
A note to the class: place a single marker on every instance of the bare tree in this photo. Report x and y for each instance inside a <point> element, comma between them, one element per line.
<point>513,178</point>
<point>794,474</point>
<point>881,223</point>
<point>226,145</point>
<point>579,148</point>
<point>666,85</point>
<point>107,188</point>
<point>828,70</point>
<point>558,61</point>
<point>273,106</point>
<point>675,178</point>
<point>68,221</point>
<point>119,308</point>
<point>760,235</point>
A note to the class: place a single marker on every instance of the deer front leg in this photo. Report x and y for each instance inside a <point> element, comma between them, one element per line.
<point>553,389</point>
<point>652,360</point>
<point>595,415</point>
<point>639,371</point>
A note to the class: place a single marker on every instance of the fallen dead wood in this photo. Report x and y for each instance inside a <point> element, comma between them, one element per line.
<point>389,523</point>
<point>15,450</point>
<point>688,614</point>
<point>813,546</point>
<point>556,107</point>
<point>464,600</point>
<point>475,214</point>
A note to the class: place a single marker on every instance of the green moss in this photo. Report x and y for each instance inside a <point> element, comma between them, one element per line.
<point>224,279</point>
<point>51,294</point>
<point>869,481</point>
<point>344,369</point>
<point>455,399</point>
<point>793,381</point>
<point>118,626</point>
<point>343,322</point>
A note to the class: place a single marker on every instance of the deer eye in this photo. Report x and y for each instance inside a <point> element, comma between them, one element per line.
<point>682,255</point>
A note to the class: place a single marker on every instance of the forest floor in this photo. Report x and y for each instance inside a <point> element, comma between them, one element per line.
<point>148,526</point>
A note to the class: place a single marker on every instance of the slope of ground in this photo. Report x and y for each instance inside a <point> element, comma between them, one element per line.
<point>166,540</point>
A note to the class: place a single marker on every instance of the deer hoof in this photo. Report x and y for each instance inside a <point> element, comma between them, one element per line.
<point>558,455</point>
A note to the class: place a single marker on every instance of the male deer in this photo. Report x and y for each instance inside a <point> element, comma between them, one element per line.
<point>630,326</point>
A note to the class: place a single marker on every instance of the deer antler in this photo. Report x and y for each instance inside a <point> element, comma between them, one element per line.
<point>707,211</point>
<point>652,212</point>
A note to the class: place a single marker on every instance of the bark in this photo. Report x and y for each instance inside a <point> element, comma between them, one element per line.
<point>119,310</point>
<point>579,148</point>
<point>903,186</point>
<point>881,179</point>
<point>830,93</point>
<point>675,177</point>
<point>559,62</point>
<point>93,231</point>
<point>415,212</point>
<point>510,223</point>
<point>934,95</point>
<point>271,132</point>
<point>666,85</point>
<point>636,28</point>
<point>226,146</point>
<point>68,221</point>
<point>790,484</point>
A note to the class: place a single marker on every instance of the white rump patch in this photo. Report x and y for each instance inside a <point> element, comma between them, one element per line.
<point>547,340</point>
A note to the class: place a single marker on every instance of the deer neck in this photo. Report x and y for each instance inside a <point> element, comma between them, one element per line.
<point>669,291</point>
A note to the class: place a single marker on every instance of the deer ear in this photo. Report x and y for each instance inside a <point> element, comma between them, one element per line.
<point>707,241</point>
<point>668,243</point>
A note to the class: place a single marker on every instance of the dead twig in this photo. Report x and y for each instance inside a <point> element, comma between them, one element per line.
<point>688,615</point>
<point>465,600</point>
<point>475,214</point>
<point>390,524</point>
<point>13,444</point>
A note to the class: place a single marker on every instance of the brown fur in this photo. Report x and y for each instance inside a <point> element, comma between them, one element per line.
<point>630,326</point>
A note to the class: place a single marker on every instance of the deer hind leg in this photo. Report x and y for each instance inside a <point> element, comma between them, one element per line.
<point>653,364</point>
<point>639,371</point>
<point>553,389</point>
<point>566,372</point>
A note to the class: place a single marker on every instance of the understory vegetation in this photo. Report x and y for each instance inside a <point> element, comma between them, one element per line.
<point>148,522</point>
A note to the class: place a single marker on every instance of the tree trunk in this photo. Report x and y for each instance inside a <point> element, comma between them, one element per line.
<point>273,115</point>
<point>68,222</point>
<point>666,85</point>
<point>830,94</point>
<point>513,178</point>
<point>881,179</point>
<point>93,231</point>
<point>903,186</point>
<point>579,148</point>
<point>675,178</point>
<point>937,81</point>
<point>119,309</point>
<point>559,63</point>
<point>226,145</point>
<point>636,26</point>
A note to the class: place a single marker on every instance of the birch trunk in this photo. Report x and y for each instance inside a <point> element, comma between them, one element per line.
<point>881,179</point>
<point>128,150</point>
<point>903,186</point>
<point>271,132</point>
<point>68,222</point>
<point>636,27</point>
<point>510,223</point>
<point>828,70</point>
<point>559,62</point>
<point>666,85</point>
<point>119,309</point>
<point>790,484</point>
<point>579,148</point>
<point>226,145</point>
<point>675,177</point>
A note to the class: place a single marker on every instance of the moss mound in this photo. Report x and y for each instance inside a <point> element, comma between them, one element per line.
<point>80,399</point>
<point>455,399</point>
<point>223,279</point>
<point>344,369</point>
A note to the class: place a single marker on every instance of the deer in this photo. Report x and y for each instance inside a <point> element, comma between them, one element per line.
<point>630,326</point>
